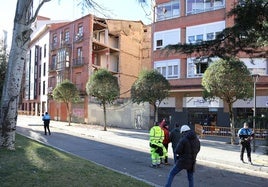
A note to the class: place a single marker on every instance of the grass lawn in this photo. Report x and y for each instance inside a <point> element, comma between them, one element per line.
<point>36,165</point>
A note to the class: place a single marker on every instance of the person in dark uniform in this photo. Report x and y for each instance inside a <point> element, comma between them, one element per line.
<point>46,119</point>
<point>246,135</point>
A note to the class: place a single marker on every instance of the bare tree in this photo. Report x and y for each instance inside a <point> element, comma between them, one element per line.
<point>24,17</point>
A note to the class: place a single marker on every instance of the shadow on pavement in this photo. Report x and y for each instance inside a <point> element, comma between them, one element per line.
<point>136,163</point>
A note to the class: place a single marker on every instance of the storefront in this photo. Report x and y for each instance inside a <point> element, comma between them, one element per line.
<point>196,110</point>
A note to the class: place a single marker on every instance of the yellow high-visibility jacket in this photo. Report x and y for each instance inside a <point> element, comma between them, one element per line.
<point>156,135</point>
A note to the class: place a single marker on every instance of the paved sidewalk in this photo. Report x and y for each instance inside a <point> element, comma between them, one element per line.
<point>214,152</point>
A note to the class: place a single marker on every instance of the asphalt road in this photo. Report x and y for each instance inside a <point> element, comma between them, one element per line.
<point>121,155</point>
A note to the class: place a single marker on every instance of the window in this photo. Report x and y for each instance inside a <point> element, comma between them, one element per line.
<point>79,35</point>
<point>67,36</point>
<point>80,29</point>
<point>45,50</point>
<point>39,70</point>
<point>63,58</point>
<point>219,3</point>
<point>54,62</point>
<point>44,69</point>
<point>79,52</point>
<point>44,87</point>
<point>199,6</point>
<point>40,53</point>
<point>172,71</point>
<point>159,44</point>
<point>256,65</point>
<point>168,68</point>
<point>164,71</point>
<point>197,67</point>
<point>200,68</point>
<point>168,10</point>
<point>191,39</point>
<point>217,34</point>
<point>210,36</point>
<point>199,38</point>
<point>54,39</point>
<point>164,38</point>
<point>79,59</point>
<point>60,77</point>
<point>204,32</point>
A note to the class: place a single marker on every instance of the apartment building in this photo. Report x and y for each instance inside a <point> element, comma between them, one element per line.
<point>81,47</point>
<point>189,21</point>
<point>35,79</point>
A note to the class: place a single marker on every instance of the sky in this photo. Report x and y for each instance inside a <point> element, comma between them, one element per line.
<point>69,10</point>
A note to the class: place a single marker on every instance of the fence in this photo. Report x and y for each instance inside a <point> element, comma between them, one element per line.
<point>225,131</point>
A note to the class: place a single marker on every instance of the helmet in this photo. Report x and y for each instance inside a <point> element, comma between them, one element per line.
<point>185,128</point>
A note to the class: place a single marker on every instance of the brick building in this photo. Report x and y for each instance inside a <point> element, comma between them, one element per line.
<point>82,46</point>
<point>189,21</point>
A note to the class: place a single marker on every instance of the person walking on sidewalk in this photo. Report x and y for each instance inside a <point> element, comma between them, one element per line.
<point>174,138</point>
<point>46,119</point>
<point>156,145</point>
<point>186,150</point>
<point>164,127</point>
<point>246,135</point>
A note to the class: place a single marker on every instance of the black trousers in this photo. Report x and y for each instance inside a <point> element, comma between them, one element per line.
<point>245,146</point>
<point>46,127</point>
<point>166,157</point>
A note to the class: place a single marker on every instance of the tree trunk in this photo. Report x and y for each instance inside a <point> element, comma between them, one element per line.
<point>104,115</point>
<point>12,85</point>
<point>69,113</point>
<point>155,113</point>
<point>230,105</point>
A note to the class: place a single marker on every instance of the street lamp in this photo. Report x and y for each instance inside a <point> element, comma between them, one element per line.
<point>255,79</point>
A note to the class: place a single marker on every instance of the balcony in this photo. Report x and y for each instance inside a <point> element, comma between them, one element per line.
<point>78,62</point>
<point>66,43</point>
<point>79,37</point>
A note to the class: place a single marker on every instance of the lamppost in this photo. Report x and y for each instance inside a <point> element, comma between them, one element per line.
<point>255,79</point>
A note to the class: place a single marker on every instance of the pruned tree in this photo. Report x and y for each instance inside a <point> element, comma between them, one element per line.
<point>152,87</point>
<point>228,80</point>
<point>103,86</point>
<point>66,92</point>
<point>248,34</point>
<point>25,15</point>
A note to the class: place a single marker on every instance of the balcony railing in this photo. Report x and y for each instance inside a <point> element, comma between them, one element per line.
<point>78,62</point>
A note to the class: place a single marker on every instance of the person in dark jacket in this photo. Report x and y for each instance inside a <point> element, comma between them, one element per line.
<point>246,135</point>
<point>174,137</point>
<point>46,119</point>
<point>186,150</point>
